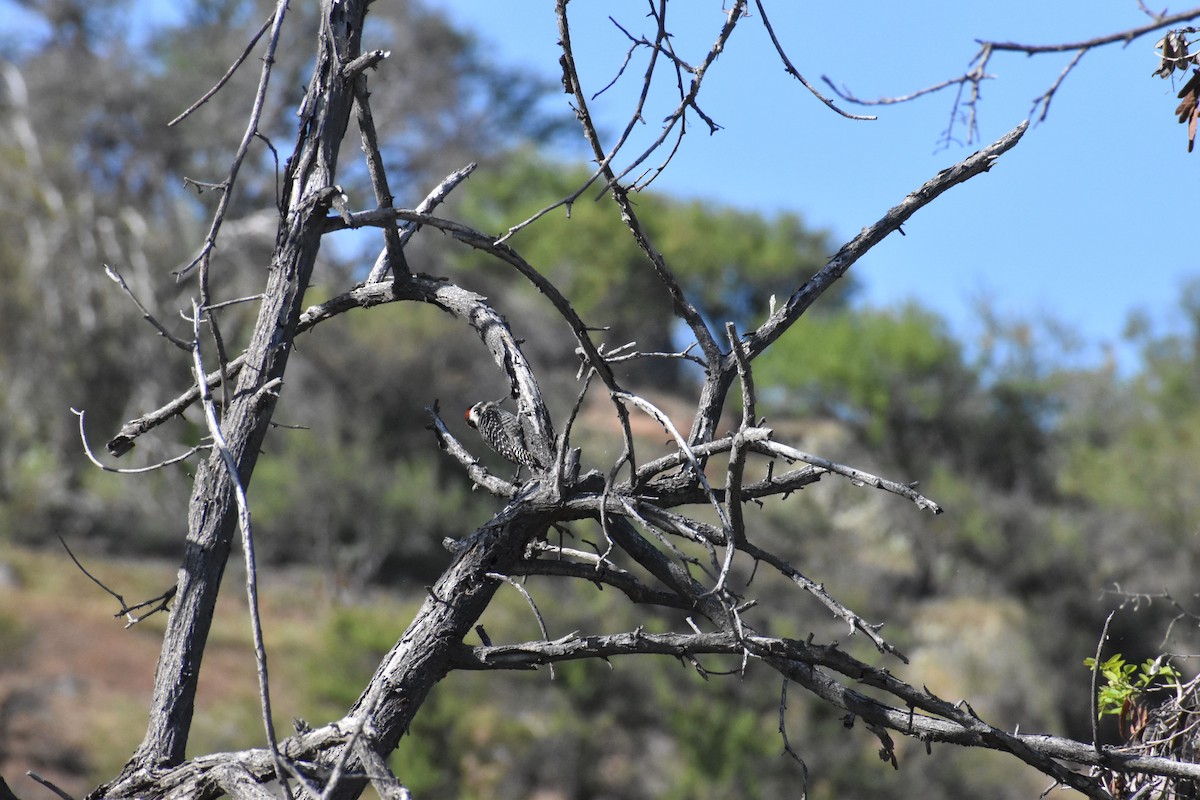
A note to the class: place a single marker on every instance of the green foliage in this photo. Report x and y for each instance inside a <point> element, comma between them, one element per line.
<point>728,261</point>
<point>896,376</point>
<point>879,369</point>
<point>345,649</point>
<point>1129,440</point>
<point>15,635</point>
<point>722,746</point>
<point>1124,682</point>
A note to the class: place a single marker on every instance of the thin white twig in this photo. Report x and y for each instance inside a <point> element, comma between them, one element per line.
<point>665,421</point>
<point>228,73</point>
<point>511,581</point>
<point>130,470</point>
<point>260,652</point>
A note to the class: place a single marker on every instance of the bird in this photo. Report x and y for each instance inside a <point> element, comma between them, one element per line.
<point>503,432</point>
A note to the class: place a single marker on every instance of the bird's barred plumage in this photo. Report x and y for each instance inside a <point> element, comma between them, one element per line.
<point>502,431</point>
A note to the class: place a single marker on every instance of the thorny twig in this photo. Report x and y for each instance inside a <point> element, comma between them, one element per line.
<point>987,48</point>
<point>159,603</point>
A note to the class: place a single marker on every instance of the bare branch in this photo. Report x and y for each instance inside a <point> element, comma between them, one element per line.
<point>857,477</point>
<point>426,206</point>
<point>129,470</point>
<point>800,300</point>
<point>159,603</point>
<point>795,73</point>
<point>243,508</point>
<point>146,315</point>
<point>1124,37</point>
<point>228,73</point>
<point>393,253</point>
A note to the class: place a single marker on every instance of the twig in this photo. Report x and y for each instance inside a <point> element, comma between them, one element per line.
<point>126,610</point>
<point>130,470</point>
<point>803,297</point>
<point>817,590</point>
<point>386,784</point>
<point>683,308</point>
<point>686,101</point>
<point>856,476</point>
<point>513,582</point>
<point>1096,681</point>
<point>795,73</point>
<point>49,785</point>
<point>228,73</point>
<point>850,97</point>
<point>250,298</point>
<point>426,206</point>
<point>1048,95</point>
<point>393,252</point>
<point>146,315</point>
<point>210,241</point>
<point>596,571</point>
<point>735,469</point>
<point>683,355</point>
<point>1126,36</point>
<point>665,421</point>
<point>787,746</point>
<point>339,767</point>
<point>988,47</point>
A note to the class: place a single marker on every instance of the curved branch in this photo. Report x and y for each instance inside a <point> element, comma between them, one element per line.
<point>1126,36</point>
<point>795,73</point>
<point>603,573</point>
<point>783,318</point>
<point>490,326</point>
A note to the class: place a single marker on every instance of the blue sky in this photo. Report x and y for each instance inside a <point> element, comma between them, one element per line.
<point>1080,221</point>
<point>1091,217</point>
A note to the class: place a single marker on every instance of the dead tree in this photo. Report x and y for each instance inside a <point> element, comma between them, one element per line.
<point>641,507</point>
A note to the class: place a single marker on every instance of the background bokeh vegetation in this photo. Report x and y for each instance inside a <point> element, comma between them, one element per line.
<point>1061,479</point>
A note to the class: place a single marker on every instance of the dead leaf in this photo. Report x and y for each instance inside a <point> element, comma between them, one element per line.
<point>1189,107</point>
